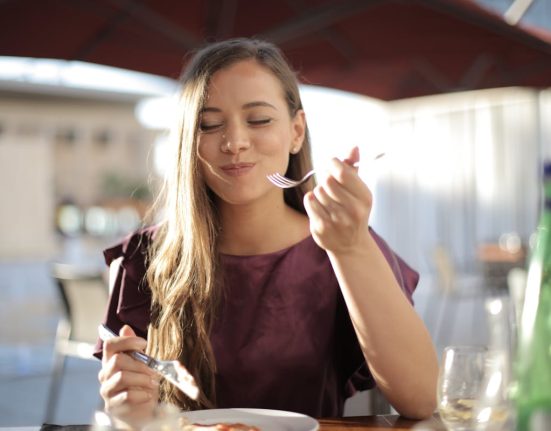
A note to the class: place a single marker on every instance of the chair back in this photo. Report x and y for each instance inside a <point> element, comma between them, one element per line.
<point>84,295</point>
<point>445,270</point>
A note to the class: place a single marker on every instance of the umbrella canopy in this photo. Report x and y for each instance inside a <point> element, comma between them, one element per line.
<point>388,49</point>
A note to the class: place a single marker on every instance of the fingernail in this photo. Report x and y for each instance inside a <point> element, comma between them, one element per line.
<point>155,382</point>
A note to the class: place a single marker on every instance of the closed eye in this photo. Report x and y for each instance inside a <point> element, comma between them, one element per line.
<point>260,122</point>
<point>203,127</point>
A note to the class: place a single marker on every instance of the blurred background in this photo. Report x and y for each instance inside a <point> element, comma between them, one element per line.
<point>455,92</point>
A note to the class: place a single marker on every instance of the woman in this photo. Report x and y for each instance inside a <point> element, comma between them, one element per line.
<point>271,298</point>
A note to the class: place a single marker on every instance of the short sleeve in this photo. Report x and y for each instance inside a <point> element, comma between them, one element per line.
<point>357,376</point>
<point>130,297</point>
<point>406,276</point>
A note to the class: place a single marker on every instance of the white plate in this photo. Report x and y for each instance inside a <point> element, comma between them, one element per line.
<point>266,420</point>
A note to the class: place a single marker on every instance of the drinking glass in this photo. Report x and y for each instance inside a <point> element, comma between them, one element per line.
<point>472,389</point>
<point>166,417</point>
<point>495,408</point>
<point>460,386</point>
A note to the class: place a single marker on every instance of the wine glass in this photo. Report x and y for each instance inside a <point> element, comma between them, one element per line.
<point>165,417</point>
<point>472,389</point>
<point>460,385</point>
<point>495,407</point>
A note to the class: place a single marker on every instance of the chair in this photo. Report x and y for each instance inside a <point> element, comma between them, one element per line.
<point>84,294</point>
<point>453,288</point>
<point>370,402</point>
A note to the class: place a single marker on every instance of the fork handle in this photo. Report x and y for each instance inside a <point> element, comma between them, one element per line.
<point>105,334</point>
<point>142,357</point>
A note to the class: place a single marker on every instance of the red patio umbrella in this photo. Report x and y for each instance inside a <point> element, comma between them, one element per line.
<point>388,49</point>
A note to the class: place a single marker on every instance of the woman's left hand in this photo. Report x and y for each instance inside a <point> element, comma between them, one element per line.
<point>339,207</point>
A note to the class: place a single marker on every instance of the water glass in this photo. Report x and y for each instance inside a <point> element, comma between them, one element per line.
<point>460,385</point>
<point>472,389</point>
<point>166,417</point>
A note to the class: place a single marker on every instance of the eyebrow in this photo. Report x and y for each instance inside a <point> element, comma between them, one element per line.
<point>245,106</point>
<point>259,103</point>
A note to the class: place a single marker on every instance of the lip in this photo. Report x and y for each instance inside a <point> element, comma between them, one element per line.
<point>237,169</point>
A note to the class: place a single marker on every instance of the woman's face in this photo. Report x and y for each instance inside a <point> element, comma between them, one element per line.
<point>246,132</point>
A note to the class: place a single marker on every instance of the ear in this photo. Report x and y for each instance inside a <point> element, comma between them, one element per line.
<point>298,126</point>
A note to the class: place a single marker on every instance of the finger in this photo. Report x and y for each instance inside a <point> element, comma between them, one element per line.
<point>354,208</point>
<point>127,331</point>
<point>122,344</point>
<point>101,375</point>
<point>353,156</point>
<point>109,346</point>
<point>124,380</point>
<point>347,176</point>
<point>126,401</point>
<point>319,218</point>
<point>335,211</point>
<point>336,192</point>
<point>124,362</point>
<point>342,171</point>
<point>314,208</point>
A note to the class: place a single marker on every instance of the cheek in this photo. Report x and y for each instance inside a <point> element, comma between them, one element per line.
<point>273,142</point>
<point>207,150</point>
<point>204,164</point>
<point>205,158</point>
<point>210,179</point>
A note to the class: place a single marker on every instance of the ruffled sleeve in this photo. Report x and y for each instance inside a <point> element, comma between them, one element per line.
<point>358,377</point>
<point>406,276</point>
<point>130,297</point>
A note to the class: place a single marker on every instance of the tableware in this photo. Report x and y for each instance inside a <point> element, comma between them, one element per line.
<point>164,417</point>
<point>472,389</point>
<point>266,420</point>
<point>285,183</point>
<point>460,385</point>
<point>172,371</point>
<point>495,409</point>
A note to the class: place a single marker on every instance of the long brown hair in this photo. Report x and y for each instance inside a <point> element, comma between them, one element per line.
<point>183,269</point>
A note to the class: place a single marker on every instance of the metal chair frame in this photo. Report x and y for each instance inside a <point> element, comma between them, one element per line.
<point>76,333</point>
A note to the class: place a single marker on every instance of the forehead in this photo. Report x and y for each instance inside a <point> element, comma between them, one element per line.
<point>243,82</point>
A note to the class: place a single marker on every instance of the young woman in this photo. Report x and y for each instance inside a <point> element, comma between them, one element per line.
<point>271,298</point>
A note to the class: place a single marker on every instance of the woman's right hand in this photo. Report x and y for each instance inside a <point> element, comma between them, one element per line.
<point>129,388</point>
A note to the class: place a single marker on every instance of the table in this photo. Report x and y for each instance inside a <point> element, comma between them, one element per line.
<point>360,423</point>
<point>379,422</point>
<point>496,262</point>
<point>356,423</point>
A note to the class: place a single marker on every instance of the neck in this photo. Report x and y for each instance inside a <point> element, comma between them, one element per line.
<point>254,229</point>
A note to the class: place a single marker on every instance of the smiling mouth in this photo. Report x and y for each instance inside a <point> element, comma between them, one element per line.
<point>237,169</point>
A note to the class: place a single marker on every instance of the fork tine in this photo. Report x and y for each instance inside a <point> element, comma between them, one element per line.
<point>276,182</point>
<point>281,181</point>
<point>285,181</point>
<point>288,182</point>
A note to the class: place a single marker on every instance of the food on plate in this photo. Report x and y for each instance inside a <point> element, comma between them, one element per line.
<point>186,425</point>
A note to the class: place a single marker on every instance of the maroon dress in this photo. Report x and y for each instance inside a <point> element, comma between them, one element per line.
<point>283,338</point>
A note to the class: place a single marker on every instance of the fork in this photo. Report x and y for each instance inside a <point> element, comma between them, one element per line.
<point>285,183</point>
<point>172,371</point>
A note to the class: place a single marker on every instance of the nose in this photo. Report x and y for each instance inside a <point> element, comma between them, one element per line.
<point>235,139</point>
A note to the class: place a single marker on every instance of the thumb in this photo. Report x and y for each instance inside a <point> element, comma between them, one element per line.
<point>127,331</point>
<point>353,156</point>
